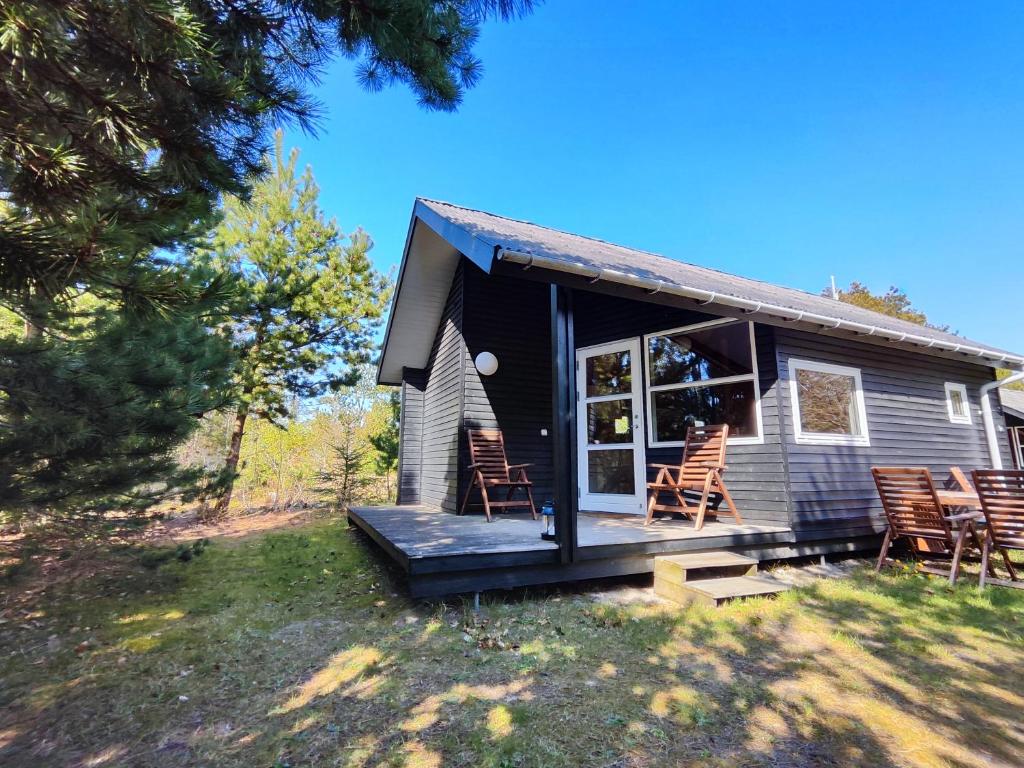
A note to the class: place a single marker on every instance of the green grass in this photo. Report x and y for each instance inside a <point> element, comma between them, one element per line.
<point>295,649</point>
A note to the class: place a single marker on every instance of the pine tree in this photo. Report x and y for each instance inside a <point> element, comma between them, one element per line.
<point>385,439</point>
<point>308,299</point>
<point>123,121</point>
<point>122,124</point>
<point>92,417</point>
<point>345,478</point>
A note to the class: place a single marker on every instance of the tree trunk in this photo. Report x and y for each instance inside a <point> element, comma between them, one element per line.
<point>231,462</point>
<point>32,330</point>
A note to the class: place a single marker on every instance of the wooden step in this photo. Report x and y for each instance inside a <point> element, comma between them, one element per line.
<point>717,591</point>
<point>702,564</point>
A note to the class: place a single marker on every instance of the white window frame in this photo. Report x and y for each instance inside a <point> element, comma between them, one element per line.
<point>827,438</point>
<point>952,386</point>
<point>1017,444</point>
<point>650,390</point>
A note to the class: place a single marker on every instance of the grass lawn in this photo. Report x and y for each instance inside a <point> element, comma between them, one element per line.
<point>296,648</point>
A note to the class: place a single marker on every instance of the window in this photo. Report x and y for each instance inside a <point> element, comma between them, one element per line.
<point>1017,444</point>
<point>957,404</point>
<point>828,404</point>
<point>702,374</point>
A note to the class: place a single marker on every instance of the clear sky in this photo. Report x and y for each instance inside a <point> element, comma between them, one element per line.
<point>787,141</point>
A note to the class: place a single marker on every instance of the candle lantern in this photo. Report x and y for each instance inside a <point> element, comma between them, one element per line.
<point>547,514</point>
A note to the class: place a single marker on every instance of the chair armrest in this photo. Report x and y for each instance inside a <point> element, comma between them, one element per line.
<point>714,464</point>
<point>519,466</point>
<point>663,466</point>
<point>472,466</point>
<point>964,516</point>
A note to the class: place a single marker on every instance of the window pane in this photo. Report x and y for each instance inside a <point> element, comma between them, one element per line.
<point>956,398</point>
<point>828,403</point>
<point>677,409</point>
<point>610,421</point>
<point>611,471</point>
<point>711,353</point>
<point>609,374</point>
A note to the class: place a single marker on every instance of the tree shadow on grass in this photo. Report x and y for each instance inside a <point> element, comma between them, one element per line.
<point>874,672</point>
<point>299,650</point>
<point>824,677</point>
<point>942,656</point>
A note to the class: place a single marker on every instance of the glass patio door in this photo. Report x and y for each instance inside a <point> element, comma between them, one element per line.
<point>609,423</point>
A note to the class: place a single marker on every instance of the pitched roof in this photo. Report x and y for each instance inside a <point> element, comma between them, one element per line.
<point>487,237</point>
<point>1012,401</point>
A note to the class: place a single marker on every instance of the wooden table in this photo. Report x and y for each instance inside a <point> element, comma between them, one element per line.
<point>959,499</point>
<point>964,522</point>
<point>960,521</point>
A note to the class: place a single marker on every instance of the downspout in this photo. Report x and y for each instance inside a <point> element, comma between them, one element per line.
<point>989,420</point>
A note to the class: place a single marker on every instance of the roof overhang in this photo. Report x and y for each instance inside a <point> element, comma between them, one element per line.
<point>435,243</point>
<point>822,323</point>
<point>1012,403</point>
<point>433,247</point>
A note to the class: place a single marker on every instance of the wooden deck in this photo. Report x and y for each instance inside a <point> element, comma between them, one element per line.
<point>444,553</point>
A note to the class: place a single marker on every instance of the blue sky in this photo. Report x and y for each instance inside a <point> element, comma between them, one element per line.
<point>785,141</point>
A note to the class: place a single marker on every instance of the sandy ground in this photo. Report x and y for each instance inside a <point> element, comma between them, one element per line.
<point>61,556</point>
<point>187,527</point>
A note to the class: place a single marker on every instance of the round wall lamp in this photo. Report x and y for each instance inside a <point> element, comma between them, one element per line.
<point>486,364</point>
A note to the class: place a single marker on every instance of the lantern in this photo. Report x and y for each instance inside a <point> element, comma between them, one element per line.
<point>547,514</point>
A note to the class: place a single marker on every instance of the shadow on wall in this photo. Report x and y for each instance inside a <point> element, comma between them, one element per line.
<point>840,492</point>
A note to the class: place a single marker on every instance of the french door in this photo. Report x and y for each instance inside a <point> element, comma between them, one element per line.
<point>609,428</point>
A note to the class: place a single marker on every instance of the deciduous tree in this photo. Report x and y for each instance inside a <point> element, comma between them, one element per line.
<point>893,302</point>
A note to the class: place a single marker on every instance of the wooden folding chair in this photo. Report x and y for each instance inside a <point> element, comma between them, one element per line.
<point>1001,492</point>
<point>492,470</point>
<point>959,481</point>
<point>701,470</point>
<point>914,512</point>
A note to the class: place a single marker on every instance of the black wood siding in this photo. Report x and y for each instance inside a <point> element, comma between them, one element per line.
<point>442,406</point>
<point>756,476</point>
<point>908,425</point>
<point>410,441</point>
<point>511,319</point>
<point>824,492</point>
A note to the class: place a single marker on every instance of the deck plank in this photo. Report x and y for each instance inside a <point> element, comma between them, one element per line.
<point>443,553</point>
<point>419,533</point>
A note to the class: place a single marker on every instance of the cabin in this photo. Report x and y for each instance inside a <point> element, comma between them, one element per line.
<point>593,360</point>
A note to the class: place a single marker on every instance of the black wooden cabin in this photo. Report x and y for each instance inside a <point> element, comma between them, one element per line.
<point>565,315</point>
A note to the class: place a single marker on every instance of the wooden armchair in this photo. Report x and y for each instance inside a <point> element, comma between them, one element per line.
<point>958,480</point>
<point>915,513</point>
<point>491,470</point>
<point>1001,492</point>
<point>701,470</point>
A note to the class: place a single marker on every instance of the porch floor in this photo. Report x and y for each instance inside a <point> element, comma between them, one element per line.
<point>427,541</point>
